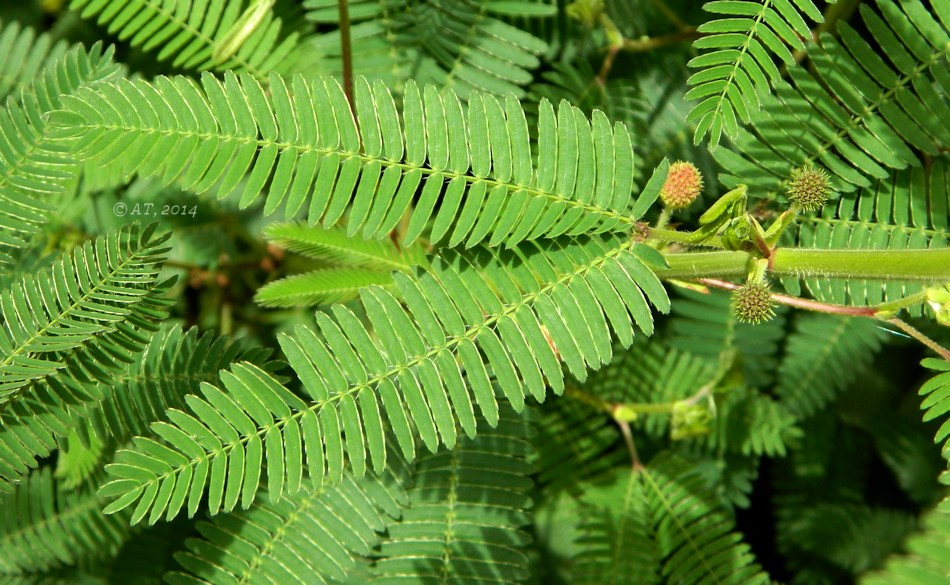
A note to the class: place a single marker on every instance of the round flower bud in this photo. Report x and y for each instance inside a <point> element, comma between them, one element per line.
<point>683,185</point>
<point>752,303</point>
<point>809,187</point>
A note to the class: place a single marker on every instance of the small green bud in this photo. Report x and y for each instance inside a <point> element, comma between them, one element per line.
<point>690,420</point>
<point>624,413</point>
<point>752,303</point>
<point>683,185</point>
<point>809,187</point>
<point>938,298</point>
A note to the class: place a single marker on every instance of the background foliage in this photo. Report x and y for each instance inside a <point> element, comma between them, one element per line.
<point>249,336</point>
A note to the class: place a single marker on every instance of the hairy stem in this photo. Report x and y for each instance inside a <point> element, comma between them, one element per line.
<point>906,265</point>
<point>797,302</point>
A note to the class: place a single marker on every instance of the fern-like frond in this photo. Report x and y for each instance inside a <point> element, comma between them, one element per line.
<point>78,459</point>
<point>313,537</point>
<point>616,544</point>
<point>25,55</point>
<point>68,328</point>
<point>383,31</point>
<point>821,357</point>
<point>320,287</point>
<point>191,34</point>
<point>651,373</point>
<point>44,527</point>
<point>741,68</point>
<point>473,175</point>
<point>334,246</point>
<point>575,443</point>
<point>84,296</point>
<point>466,511</point>
<point>745,421</point>
<point>355,264</point>
<point>927,561</point>
<point>32,167</point>
<point>462,45</point>
<point>852,537</point>
<point>751,423</point>
<point>705,325</point>
<point>858,116</point>
<point>173,365</point>
<point>695,540</point>
<point>937,403</point>
<point>928,553</point>
<point>907,211</point>
<point>512,316</point>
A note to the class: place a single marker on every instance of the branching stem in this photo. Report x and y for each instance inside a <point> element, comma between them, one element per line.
<point>876,311</point>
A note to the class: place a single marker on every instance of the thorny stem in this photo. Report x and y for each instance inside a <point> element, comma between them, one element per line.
<point>797,302</point>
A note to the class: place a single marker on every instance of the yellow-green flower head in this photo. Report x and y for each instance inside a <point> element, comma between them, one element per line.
<point>809,187</point>
<point>752,303</point>
<point>683,185</point>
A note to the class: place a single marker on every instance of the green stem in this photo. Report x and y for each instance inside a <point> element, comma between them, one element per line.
<point>905,265</point>
<point>914,265</point>
<point>705,264</point>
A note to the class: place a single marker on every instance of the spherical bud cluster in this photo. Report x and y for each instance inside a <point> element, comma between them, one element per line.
<point>752,303</point>
<point>809,187</point>
<point>683,185</point>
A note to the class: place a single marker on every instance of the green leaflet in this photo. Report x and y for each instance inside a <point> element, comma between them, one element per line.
<point>937,393</point>
<point>809,380</point>
<point>689,527</point>
<point>459,44</point>
<point>740,70</point>
<point>207,36</point>
<point>45,527</point>
<point>357,385</point>
<point>466,512</point>
<point>350,265</point>
<point>616,543</point>
<point>908,210</point>
<point>242,29</point>
<point>858,116</point>
<point>310,142</point>
<point>26,55</point>
<point>32,168</point>
<point>68,328</point>
<point>315,537</point>
<point>926,560</point>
